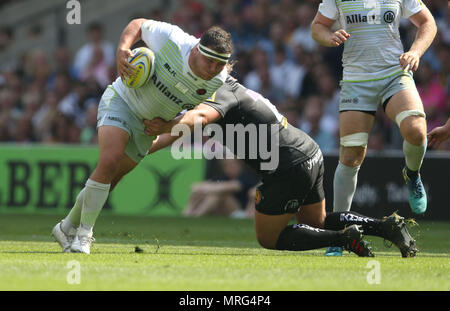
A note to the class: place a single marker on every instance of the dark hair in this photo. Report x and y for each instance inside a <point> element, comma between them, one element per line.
<point>218,40</point>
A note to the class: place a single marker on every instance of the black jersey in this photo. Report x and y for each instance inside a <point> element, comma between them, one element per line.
<point>241,106</point>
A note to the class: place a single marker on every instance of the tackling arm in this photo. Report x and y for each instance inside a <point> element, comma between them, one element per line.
<point>201,114</point>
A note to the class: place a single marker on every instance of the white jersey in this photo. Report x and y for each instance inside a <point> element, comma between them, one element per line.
<point>173,87</point>
<point>373,49</point>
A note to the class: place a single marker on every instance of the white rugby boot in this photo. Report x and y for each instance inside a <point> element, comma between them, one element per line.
<point>63,239</point>
<point>82,241</point>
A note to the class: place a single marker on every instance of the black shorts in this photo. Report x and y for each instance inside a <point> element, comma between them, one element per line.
<point>285,192</point>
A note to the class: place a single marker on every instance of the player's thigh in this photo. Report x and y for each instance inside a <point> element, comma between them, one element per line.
<point>312,214</point>
<point>269,227</point>
<point>351,122</point>
<point>114,131</point>
<point>112,142</point>
<point>358,103</point>
<point>280,197</point>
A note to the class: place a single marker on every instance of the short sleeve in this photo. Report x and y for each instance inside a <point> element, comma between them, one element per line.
<point>222,100</point>
<point>155,34</point>
<point>411,7</point>
<point>329,9</point>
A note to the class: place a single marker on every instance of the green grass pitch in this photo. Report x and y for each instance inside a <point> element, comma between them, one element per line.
<point>206,254</point>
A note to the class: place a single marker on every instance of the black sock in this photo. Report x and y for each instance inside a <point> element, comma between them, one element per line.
<point>301,237</point>
<point>411,174</point>
<point>340,220</point>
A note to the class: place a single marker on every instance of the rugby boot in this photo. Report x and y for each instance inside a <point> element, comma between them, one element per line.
<point>63,239</point>
<point>394,229</point>
<point>417,194</point>
<point>333,251</point>
<point>353,242</point>
<point>82,242</point>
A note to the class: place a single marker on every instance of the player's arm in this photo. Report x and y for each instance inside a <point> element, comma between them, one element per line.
<point>426,32</point>
<point>202,114</point>
<point>321,32</point>
<point>439,135</point>
<point>161,142</point>
<point>130,35</point>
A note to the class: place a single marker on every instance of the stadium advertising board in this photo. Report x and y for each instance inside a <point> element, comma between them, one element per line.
<point>47,179</point>
<point>381,189</point>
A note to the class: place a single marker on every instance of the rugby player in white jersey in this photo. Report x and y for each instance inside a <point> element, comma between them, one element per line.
<point>377,71</point>
<point>187,72</point>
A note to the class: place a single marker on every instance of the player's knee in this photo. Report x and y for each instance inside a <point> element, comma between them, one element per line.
<point>353,148</point>
<point>352,156</point>
<point>414,131</point>
<point>109,162</point>
<point>413,126</point>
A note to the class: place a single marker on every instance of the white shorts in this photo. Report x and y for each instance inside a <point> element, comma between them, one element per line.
<point>114,111</point>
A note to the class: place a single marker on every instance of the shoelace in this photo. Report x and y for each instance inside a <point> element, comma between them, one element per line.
<point>86,240</point>
<point>417,188</point>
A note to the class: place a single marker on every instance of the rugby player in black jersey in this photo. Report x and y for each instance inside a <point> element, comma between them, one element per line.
<point>291,188</point>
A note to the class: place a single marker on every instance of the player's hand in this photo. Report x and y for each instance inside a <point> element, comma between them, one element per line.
<point>438,135</point>
<point>156,126</point>
<point>339,37</point>
<point>410,58</point>
<point>124,68</point>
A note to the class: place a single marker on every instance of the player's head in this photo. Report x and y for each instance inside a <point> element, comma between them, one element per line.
<point>212,53</point>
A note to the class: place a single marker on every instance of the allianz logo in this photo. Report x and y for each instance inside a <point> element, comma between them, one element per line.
<point>388,18</point>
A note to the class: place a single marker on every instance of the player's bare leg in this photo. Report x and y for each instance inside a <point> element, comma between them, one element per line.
<point>406,109</point>
<point>112,144</point>
<point>112,165</point>
<point>354,128</point>
<point>312,214</point>
<point>269,227</point>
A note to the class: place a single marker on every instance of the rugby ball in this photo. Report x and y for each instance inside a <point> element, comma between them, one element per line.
<point>144,60</point>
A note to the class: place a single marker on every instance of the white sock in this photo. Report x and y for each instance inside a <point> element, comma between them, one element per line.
<point>95,197</point>
<point>414,155</point>
<point>344,185</point>
<point>72,220</point>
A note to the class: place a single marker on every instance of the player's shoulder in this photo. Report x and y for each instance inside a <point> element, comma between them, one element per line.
<point>230,87</point>
<point>173,32</point>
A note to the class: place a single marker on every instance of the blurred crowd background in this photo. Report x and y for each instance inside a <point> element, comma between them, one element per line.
<point>52,96</point>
